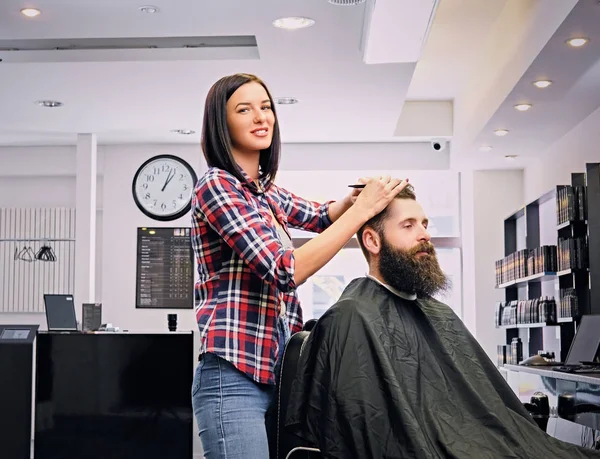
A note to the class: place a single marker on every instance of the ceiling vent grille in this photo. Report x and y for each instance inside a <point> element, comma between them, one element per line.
<point>94,44</point>
<point>346,2</point>
<point>129,49</point>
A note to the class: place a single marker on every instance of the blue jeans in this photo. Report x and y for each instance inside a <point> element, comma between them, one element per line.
<point>230,408</point>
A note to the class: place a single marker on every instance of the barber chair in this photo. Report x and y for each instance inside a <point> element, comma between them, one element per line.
<point>290,446</point>
<point>309,325</point>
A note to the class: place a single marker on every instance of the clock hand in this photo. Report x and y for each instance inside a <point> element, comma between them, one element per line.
<point>169,178</point>
<point>172,176</point>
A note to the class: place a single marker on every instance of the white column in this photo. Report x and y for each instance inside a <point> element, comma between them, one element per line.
<point>85,221</point>
<point>467,198</point>
<point>496,194</point>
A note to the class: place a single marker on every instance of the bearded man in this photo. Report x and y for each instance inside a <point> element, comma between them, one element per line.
<point>390,372</point>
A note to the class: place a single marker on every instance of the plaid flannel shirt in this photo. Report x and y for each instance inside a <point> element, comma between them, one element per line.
<point>244,273</point>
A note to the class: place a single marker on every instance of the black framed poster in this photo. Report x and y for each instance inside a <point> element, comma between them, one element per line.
<point>165,269</point>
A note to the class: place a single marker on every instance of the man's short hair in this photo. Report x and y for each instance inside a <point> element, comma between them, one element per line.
<point>376,222</point>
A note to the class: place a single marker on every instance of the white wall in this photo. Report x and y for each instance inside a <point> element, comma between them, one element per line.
<point>363,156</point>
<point>40,162</point>
<point>488,197</point>
<point>38,182</point>
<point>45,177</point>
<point>121,218</point>
<point>569,154</point>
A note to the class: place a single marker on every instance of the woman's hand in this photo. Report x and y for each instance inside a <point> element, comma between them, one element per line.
<point>377,194</point>
<point>338,208</point>
<point>351,198</point>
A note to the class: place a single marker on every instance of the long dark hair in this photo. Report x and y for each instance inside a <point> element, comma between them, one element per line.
<point>216,141</point>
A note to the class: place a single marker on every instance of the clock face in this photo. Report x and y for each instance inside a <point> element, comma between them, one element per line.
<point>163,187</point>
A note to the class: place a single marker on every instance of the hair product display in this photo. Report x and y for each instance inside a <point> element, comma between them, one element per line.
<point>524,263</point>
<point>535,311</point>
<point>571,205</point>
<point>572,253</point>
<point>569,305</point>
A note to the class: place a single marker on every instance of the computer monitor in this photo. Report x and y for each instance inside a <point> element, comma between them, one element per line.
<point>60,312</point>
<point>586,342</point>
<point>91,316</point>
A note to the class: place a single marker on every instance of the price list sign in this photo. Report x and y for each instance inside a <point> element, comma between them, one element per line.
<point>165,269</point>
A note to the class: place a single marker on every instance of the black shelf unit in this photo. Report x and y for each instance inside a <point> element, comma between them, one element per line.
<point>593,209</point>
<point>586,226</point>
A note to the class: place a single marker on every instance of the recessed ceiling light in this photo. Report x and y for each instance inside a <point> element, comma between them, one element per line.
<point>542,83</point>
<point>577,42</point>
<point>522,107</point>
<point>511,157</point>
<point>293,23</point>
<point>501,132</point>
<point>286,100</point>
<point>49,103</point>
<point>30,12</point>
<point>485,148</point>
<point>149,9</point>
<point>183,131</point>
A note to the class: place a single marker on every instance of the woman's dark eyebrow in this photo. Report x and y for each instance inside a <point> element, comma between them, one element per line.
<point>248,103</point>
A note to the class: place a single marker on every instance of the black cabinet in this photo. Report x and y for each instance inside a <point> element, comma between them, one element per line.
<point>114,395</point>
<point>16,376</point>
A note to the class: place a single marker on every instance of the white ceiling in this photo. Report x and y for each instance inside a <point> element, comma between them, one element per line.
<point>452,49</point>
<point>342,99</point>
<point>142,101</point>
<point>573,96</point>
<point>479,55</point>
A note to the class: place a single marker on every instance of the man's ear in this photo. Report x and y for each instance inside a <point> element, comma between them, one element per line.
<point>371,241</point>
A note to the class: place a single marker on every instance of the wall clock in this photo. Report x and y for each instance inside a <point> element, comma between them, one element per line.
<point>163,186</point>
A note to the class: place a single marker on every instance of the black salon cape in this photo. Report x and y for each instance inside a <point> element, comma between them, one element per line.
<point>384,377</point>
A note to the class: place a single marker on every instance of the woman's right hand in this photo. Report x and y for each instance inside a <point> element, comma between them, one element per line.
<point>377,194</point>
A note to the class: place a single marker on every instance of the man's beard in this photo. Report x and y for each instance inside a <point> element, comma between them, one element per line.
<point>402,270</point>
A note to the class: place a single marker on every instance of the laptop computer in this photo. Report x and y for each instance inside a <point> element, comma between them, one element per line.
<point>60,312</point>
<point>583,353</point>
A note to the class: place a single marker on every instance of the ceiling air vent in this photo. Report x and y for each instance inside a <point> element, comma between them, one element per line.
<point>129,49</point>
<point>346,2</point>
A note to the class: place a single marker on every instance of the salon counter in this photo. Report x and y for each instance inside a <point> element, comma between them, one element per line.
<point>113,395</point>
<point>587,378</point>
<point>574,400</point>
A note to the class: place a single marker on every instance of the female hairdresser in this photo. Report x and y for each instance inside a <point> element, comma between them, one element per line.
<point>246,300</point>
